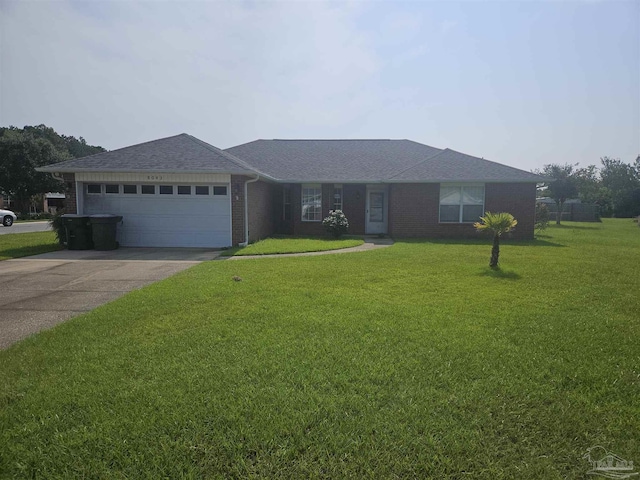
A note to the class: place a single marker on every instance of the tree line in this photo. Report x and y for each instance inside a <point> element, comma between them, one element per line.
<point>614,186</point>
<point>22,150</point>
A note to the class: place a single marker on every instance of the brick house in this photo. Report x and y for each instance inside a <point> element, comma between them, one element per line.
<point>180,191</point>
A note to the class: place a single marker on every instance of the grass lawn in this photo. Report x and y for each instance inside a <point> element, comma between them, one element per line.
<point>14,245</point>
<point>412,361</point>
<point>271,246</point>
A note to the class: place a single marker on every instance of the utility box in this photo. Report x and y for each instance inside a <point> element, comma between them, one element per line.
<point>105,228</point>
<point>78,231</point>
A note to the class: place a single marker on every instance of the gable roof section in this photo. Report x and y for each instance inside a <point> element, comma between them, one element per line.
<point>452,166</point>
<point>332,160</point>
<point>388,161</point>
<point>178,154</point>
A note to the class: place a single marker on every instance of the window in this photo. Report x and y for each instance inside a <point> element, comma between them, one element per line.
<point>111,188</point>
<point>461,203</point>
<point>219,190</point>
<point>202,190</point>
<point>166,189</point>
<point>311,203</point>
<point>94,188</point>
<point>130,189</point>
<point>148,189</point>
<point>286,203</point>
<point>184,189</point>
<point>337,197</point>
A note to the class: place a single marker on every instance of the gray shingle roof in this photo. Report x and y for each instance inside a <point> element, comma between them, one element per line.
<point>332,160</point>
<point>371,161</point>
<point>180,153</point>
<point>452,166</point>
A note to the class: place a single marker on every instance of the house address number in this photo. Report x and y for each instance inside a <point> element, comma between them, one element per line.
<point>154,177</point>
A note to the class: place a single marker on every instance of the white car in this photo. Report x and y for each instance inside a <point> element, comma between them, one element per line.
<point>8,217</point>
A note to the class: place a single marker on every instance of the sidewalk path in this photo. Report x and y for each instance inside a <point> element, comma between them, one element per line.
<point>370,243</point>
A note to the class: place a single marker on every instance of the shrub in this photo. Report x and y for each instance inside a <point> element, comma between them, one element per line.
<point>542,217</point>
<point>336,223</point>
<point>58,226</point>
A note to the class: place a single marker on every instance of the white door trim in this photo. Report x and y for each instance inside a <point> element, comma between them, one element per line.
<point>376,212</point>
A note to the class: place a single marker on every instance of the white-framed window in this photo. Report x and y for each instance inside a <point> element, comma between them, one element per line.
<point>112,189</point>
<point>311,203</point>
<point>129,189</point>
<point>461,203</point>
<point>94,188</point>
<point>148,189</point>
<point>202,189</point>
<point>184,189</point>
<point>220,190</point>
<point>337,197</point>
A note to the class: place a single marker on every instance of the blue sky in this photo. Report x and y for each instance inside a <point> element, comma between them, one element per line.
<point>521,83</point>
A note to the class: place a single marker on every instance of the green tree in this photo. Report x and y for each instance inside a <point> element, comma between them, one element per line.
<point>497,224</point>
<point>563,185</point>
<point>622,180</point>
<point>23,150</point>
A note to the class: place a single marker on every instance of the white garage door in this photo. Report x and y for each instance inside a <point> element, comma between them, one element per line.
<point>164,215</point>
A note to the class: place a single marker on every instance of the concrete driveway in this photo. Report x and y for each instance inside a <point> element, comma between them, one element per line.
<point>41,291</point>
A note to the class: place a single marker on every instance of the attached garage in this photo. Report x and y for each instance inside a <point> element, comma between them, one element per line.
<point>161,210</point>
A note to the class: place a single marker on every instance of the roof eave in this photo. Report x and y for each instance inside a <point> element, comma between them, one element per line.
<point>155,170</point>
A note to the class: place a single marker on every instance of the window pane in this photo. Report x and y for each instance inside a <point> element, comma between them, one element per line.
<point>473,195</point>
<point>449,213</point>
<point>449,195</point>
<point>148,189</point>
<point>93,188</point>
<point>166,189</point>
<point>472,213</point>
<point>184,189</point>
<point>130,188</point>
<point>337,198</point>
<point>219,190</point>
<point>202,190</point>
<point>311,204</point>
<point>109,188</point>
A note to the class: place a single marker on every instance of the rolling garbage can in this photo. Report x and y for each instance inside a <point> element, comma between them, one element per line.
<point>78,231</point>
<point>104,231</point>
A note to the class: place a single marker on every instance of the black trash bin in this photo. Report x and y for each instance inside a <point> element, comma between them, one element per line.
<point>104,231</point>
<point>78,231</point>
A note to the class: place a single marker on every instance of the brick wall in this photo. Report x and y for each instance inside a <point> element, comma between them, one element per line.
<point>353,205</point>
<point>519,199</point>
<point>262,209</point>
<point>414,210</point>
<point>237,208</point>
<point>70,201</point>
<point>262,204</point>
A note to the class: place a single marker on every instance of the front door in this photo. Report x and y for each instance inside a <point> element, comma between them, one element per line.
<point>377,209</point>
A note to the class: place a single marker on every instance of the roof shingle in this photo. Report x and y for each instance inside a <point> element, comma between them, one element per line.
<point>180,153</point>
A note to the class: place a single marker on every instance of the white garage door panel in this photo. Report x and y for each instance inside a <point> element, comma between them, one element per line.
<point>167,220</point>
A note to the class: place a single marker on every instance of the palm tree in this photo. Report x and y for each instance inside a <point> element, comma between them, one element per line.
<point>497,224</point>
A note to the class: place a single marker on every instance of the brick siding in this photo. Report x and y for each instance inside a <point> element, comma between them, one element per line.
<point>70,204</point>
<point>414,210</point>
<point>237,208</point>
<point>262,210</point>
<point>519,199</point>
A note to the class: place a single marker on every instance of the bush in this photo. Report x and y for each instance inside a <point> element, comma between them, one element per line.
<point>58,227</point>
<point>336,223</point>
<point>542,217</point>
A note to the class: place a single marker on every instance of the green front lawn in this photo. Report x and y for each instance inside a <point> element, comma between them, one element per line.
<point>273,246</point>
<point>16,245</point>
<point>411,361</point>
